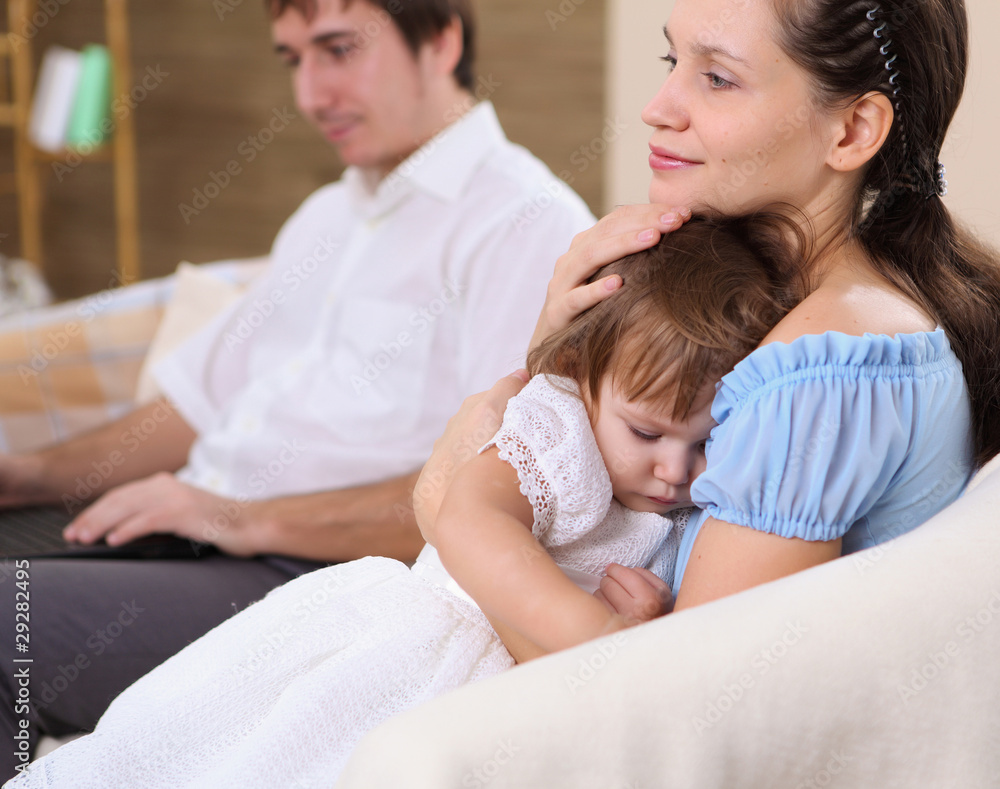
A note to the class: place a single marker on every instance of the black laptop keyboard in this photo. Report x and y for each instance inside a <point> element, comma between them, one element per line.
<point>27,531</point>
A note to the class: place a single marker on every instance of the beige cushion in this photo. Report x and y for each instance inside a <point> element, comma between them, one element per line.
<point>880,669</point>
<point>199,295</point>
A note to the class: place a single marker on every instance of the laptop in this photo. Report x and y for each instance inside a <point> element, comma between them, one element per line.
<point>36,533</point>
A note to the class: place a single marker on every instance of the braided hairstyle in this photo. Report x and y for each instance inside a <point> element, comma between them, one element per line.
<point>915,52</point>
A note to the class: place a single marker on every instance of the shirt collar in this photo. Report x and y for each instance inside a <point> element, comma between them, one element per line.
<point>443,167</point>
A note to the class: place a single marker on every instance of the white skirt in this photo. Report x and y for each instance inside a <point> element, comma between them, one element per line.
<point>279,695</point>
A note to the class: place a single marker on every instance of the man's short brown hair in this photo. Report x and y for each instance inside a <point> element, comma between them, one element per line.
<point>418,20</point>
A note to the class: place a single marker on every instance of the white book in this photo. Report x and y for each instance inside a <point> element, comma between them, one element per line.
<point>55,94</point>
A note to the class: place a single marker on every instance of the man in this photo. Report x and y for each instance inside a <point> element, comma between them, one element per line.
<point>391,295</point>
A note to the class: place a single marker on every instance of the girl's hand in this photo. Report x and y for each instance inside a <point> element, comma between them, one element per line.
<point>634,593</point>
<point>476,422</point>
<point>625,230</point>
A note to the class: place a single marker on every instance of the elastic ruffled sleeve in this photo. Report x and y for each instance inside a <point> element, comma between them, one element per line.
<point>813,433</point>
<point>546,436</point>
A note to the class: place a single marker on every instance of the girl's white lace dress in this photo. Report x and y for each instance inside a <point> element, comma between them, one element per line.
<point>279,695</point>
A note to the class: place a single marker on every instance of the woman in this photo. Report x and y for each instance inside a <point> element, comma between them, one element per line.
<point>804,465</point>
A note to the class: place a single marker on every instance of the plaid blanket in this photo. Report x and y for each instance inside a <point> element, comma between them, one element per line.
<point>70,367</point>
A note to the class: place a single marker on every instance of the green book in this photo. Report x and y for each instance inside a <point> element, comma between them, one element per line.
<point>90,120</point>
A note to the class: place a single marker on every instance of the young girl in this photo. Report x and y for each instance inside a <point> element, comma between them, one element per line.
<point>597,456</point>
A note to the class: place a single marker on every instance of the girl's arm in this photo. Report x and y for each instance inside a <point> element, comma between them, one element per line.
<point>483,535</point>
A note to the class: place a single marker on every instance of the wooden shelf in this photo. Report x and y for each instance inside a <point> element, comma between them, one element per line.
<point>32,165</point>
<point>103,154</point>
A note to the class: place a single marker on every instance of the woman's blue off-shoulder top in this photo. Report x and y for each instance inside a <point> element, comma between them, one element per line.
<point>834,435</point>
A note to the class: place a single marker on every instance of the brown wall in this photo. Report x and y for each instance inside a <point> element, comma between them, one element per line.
<point>219,87</point>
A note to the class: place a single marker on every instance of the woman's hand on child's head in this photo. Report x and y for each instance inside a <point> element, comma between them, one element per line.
<point>476,422</point>
<point>625,230</point>
<point>635,594</point>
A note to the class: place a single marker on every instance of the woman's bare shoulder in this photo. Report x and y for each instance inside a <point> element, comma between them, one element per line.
<point>855,308</point>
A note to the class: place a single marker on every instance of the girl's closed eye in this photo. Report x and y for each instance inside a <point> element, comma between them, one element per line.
<point>642,434</point>
<point>670,60</point>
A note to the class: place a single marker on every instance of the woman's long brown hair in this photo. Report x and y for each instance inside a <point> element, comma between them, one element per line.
<point>899,216</point>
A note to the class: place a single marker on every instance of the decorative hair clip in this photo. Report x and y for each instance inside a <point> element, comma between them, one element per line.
<point>941,185</point>
<point>881,34</point>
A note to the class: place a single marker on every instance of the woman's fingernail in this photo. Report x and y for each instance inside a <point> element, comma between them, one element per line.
<point>668,219</point>
<point>647,235</point>
<point>521,375</point>
<point>613,283</point>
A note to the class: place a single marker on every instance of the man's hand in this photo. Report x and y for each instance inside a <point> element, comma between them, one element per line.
<point>161,504</point>
<point>635,594</point>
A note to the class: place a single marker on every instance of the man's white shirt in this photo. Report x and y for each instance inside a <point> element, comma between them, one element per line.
<point>379,313</point>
